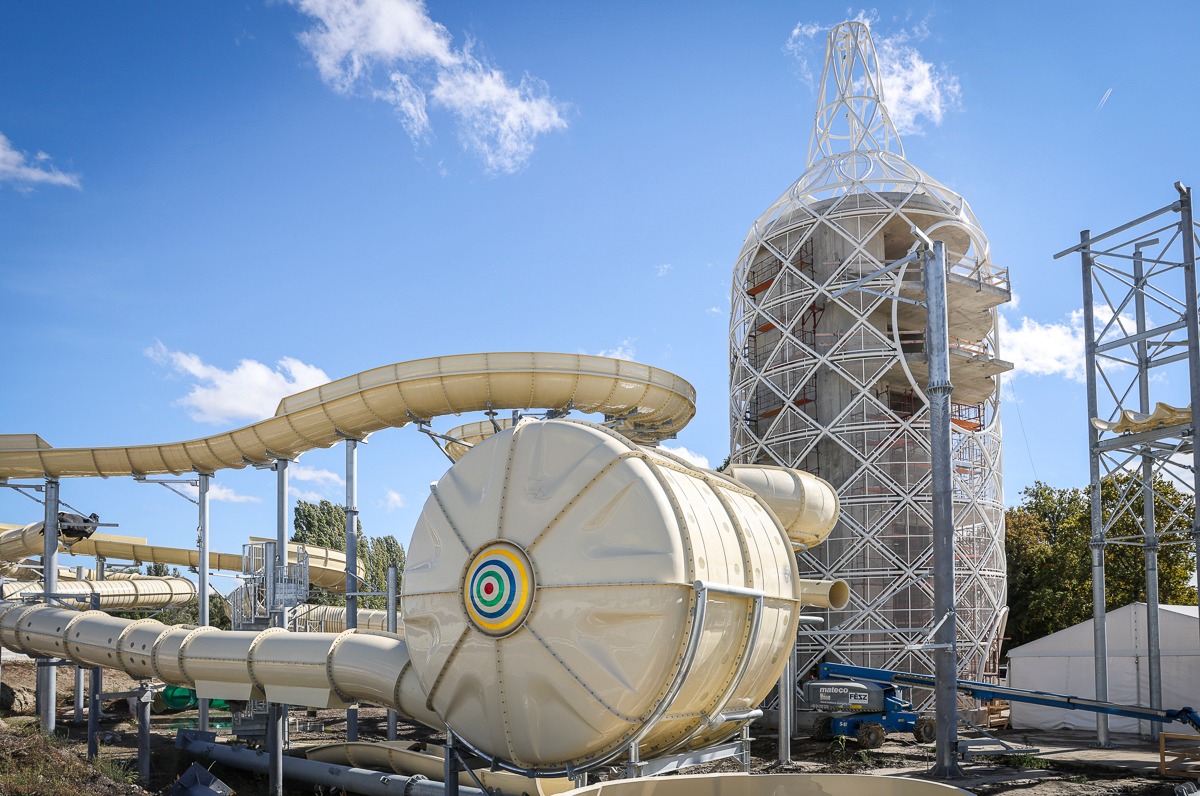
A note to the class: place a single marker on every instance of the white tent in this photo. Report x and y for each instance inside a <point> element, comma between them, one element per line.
<point>1062,663</point>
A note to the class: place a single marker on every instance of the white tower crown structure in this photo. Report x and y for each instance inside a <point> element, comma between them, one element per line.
<point>835,385</point>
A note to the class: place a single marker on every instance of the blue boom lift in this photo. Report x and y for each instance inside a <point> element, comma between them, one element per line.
<point>866,704</point>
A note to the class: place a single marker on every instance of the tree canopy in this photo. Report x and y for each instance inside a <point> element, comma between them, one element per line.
<point>1050,562</point>
<point>324,524</point>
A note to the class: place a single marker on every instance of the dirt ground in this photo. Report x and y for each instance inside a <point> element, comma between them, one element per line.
<point>21,753</point>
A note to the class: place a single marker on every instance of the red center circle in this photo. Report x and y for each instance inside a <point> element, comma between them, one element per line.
<point>488,588</point>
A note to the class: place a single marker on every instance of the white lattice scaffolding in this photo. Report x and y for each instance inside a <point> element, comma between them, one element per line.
<point>835,385</point>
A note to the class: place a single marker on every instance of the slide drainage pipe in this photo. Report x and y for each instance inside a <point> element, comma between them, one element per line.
<point>351,780</point>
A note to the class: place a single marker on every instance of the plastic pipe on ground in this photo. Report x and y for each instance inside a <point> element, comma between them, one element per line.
<point>353,780</point>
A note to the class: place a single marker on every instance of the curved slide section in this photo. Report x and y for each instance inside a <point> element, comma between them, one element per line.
<point>645,404</point>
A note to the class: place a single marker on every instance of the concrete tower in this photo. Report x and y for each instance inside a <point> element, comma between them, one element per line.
<point>835,386</point>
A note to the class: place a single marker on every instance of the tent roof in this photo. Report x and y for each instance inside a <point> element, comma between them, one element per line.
<point>1126,634</point>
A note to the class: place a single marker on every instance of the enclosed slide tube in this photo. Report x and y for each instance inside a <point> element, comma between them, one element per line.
<point>568,594</point>
<point>326,567</point>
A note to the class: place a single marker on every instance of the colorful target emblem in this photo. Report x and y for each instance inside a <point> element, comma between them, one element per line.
<point>498,588</point>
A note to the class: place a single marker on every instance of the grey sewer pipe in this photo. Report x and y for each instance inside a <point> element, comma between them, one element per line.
<point>352,780</point>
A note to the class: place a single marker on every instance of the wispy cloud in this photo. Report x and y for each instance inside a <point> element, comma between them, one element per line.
<point>224,494</point>
<point>1104,99</point>
<point>662,270</point>
<point>1044,349</point>
<point>314,475</point>
<point>623,351</point>
<point>250,391</point>
<point>688,455</point>
<point>306,495</point>
<point>219,493</point>
<point>393,500</point>
<point>393,51</point>
<point>26,172</point>
<point>914,89</point>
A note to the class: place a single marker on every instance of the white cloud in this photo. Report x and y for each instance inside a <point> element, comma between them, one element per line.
<point>305,495</point>
<point>391,50</point>
<point>220,493</point>
<point>662,270</point>
<point>393,500</point>
<point>250,391</point>
<point>913,88</point>
<point>224,494</point>
<point>687,455</point>
<point>16,168</point>
<point>715,311</point>
<point>623,351</point>
<point>1044,349</point>
<point>314,475</point>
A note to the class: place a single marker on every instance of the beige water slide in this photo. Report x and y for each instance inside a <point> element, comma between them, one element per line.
<point>570,591</point>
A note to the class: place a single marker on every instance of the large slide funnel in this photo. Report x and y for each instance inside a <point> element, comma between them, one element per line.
<point>568,592</point>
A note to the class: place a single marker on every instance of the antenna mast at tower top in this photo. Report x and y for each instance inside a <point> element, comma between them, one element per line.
<point>851,116</point>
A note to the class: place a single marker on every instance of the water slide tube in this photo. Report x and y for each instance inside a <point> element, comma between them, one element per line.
<point>643,402</point>
<point>568,593</point>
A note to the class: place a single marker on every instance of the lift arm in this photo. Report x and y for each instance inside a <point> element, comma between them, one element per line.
<point>1187,716</point>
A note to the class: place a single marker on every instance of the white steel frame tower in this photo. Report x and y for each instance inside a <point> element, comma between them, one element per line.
<point>834,385</point>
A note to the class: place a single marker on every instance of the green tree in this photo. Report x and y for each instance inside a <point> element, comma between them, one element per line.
<point>324,524</point>
<point>385,551</point>
<point>1049,557</point>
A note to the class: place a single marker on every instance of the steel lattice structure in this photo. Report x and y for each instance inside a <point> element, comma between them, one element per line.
<point>835,386</point>
<point>1142,335</point>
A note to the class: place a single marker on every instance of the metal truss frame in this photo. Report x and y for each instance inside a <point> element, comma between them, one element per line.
<point>1140,325</point>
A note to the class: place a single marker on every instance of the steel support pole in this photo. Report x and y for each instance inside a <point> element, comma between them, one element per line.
<point>937,353</point>
<point>144,697</point>
<point>277,714</point>
<point>787,708</point>
<point>450,765</point>
<point>352,564</point>
<point>1149,531</point>
<point>202,585</point>
<point>79,678</point>
<point>1188,232</point>
<point>95,688</point>
<point>47,676</point>
<point>391,628</point>
<point>1099,614</point>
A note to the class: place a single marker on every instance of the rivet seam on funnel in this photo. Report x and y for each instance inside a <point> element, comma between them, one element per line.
<point>437,680</point>
<point>567,668</point>
<point>575,498</point>
<point>508,464</point>
<point>433,490</point>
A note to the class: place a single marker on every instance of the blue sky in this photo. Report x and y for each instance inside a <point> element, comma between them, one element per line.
<point>205,206</point>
